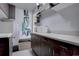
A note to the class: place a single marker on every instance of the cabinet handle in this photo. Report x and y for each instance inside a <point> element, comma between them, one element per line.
<point>49,50</point>
<point>63,47</point>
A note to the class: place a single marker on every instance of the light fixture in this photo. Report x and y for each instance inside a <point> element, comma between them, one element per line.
<point>37,4</point>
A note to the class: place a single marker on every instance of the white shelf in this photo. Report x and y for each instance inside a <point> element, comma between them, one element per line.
<point>61,6</point>
<point>58,7</point>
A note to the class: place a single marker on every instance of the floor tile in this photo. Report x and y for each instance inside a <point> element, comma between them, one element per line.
<point>27,52</point>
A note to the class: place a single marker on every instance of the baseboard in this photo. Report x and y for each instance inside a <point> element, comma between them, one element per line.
<point>24,40</point>
<point>15,48</point>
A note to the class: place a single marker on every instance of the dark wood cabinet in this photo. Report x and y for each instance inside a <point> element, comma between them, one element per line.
<point>66,50</point>
<point>36,44</point>
<point>75,51</point>
<point>7,12</point>
<point>4,46</point>
<point>55,47</point>
<point>44,46</point>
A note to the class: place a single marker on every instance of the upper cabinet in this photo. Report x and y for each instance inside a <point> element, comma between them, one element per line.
<point>7,12</point>
<point>11,11</point>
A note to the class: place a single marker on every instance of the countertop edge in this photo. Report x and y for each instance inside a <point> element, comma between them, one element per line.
<point>4,35</point>
<point>58,39</point>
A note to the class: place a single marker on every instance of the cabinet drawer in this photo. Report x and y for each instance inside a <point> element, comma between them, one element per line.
<point>66,51</point>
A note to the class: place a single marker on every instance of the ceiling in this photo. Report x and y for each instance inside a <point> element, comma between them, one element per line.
<point>29,6</point>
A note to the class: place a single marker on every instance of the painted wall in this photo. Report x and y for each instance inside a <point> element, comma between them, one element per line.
<point>6,27</point>
<point>65,21</point>
<point>17,25</point>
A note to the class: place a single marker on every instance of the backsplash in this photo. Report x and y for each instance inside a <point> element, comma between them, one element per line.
<point>74,33</point>
<point>63,22</point>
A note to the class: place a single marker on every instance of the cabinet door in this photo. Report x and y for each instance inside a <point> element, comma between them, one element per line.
<point>66,51</point>
<point>32,41</point>
<point>76,51</point>
<point>4,46</point>
<point>35,44</point>
<point>69,50</point>
<point>55,47</point>
<point>45,47</point>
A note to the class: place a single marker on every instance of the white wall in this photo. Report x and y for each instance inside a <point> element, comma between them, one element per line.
<point>6,27</point>
<point>71,14</point>
<point>64,22</point>
<point>17,26</point>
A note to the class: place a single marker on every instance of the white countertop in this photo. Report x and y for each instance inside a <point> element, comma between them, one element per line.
<point>63,38</point>
<point>2,35</point>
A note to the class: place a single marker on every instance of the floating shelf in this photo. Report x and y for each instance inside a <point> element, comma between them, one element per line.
<point>61,6</point>
<point>57,7</point>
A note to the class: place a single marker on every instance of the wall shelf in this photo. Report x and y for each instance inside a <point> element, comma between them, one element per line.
<point>57,7</point>
<point>61,6</point>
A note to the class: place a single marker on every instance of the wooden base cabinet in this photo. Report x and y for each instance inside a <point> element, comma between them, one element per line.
<point>66,50</point>
<point>4,46</point>
<point>76,51</point>
<point>43,46</point>
<point>40,46</point>
<point>55,47</point>
<point>35,44</point>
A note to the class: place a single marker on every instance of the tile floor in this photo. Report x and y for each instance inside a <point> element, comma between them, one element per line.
<point>24,45</point>
<point>27,52</point>
<point>24,50</point>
